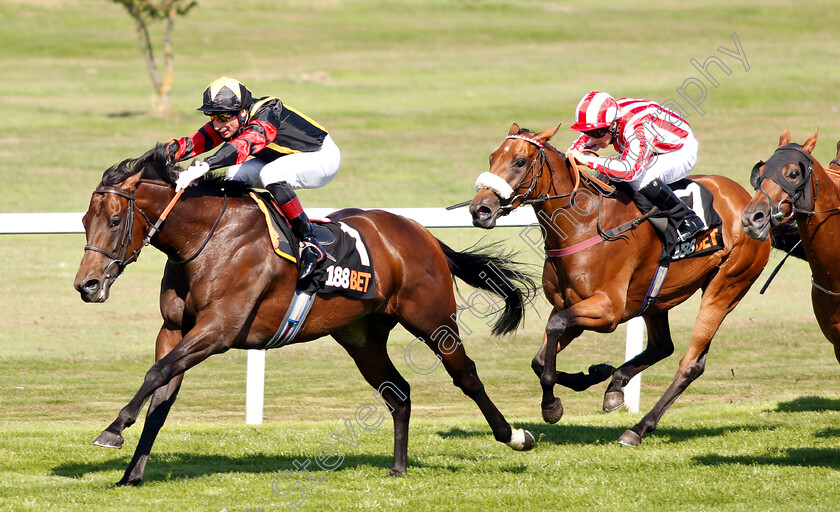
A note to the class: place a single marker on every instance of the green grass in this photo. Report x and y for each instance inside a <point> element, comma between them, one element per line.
<point>417,94</point>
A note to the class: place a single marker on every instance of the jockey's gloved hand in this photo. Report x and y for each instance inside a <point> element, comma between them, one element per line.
<point>171,149</point>
<point>195,171</point>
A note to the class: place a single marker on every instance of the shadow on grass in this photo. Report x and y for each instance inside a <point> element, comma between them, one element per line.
<point>798,457</point>
<point>809,404</point>
<point>177,466</point>
<point>582,434</point>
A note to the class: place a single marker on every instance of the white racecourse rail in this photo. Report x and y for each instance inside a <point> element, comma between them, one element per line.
<point>35,223</point>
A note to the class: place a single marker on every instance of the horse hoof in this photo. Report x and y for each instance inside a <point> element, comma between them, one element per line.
<point>396,472</point>
<point>630,438</point>
<point>554,412</point>
<point>108,440</point>
<point>521,440</point>
<point>613,400</point>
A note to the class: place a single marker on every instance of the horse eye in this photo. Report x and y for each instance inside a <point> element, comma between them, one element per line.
<point>520,162</point>
<point>115,222</point>
<point>793,175</point>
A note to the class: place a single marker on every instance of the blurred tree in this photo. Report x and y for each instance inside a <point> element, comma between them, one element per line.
<point>145,12</point>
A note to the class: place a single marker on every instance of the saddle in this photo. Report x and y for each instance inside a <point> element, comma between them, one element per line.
<point>348,268</point>
<point>665,223</point>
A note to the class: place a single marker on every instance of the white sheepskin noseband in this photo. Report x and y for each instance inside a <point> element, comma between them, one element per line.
<point>495,183</point>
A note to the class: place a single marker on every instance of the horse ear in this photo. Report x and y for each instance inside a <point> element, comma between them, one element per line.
<point>811,142</point>
<point>546,135</point>
<point>784,139</point>
<point>132,181</point>
<point>514,129</point>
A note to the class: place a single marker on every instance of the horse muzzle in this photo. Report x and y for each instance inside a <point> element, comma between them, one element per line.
<point>756,222</point>
<point>96,289</point>
<point>485,208</point>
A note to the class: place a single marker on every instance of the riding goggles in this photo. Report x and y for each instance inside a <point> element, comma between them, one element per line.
<point>597,134</point>
<point>222,117</point>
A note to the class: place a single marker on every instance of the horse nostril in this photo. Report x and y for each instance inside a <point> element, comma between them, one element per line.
<point>91,286</point>
<point>482,212</point>
<point>758,218</point>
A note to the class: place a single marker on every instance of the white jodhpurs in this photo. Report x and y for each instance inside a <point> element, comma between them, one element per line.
<point>300,170</point>
<point>669,167</point>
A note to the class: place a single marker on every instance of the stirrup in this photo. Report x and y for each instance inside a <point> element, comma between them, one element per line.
<point>689,228</point>
<point>307,264</point>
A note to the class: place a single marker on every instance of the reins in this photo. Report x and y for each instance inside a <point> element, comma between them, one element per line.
<point>207,238</point>
<point>119,258</point>
<point>601,188</point>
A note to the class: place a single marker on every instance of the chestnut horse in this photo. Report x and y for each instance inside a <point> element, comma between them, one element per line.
<point>224,287</point>
<point>602,282</point>
<point>793,186</point>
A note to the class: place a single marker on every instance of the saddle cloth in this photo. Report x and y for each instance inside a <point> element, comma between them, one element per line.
<point>698,198</point>
<point>348,268</point>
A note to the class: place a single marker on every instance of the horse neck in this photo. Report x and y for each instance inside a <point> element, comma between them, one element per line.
<point>819,232</point>
<point>572,218</point>
<point>189,220</point>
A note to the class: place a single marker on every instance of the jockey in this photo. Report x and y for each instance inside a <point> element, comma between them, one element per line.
<point>656,148</point>
<point>289,149</point>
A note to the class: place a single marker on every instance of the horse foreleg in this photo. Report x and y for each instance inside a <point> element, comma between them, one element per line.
<point>159,407</point>
<point>658,347</point>
<point>199,344</point>
<point>564,325</point>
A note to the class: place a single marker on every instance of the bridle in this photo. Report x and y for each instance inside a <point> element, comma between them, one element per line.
<point>539,162</point>
<point>121,258</point>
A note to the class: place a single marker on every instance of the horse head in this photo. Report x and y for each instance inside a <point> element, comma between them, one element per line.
<point>515,175</point>
<point>784,187</point>
<point>114,233</point>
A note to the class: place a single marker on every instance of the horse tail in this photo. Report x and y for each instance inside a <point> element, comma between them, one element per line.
<point>479,268</point>
<point>785,237</point>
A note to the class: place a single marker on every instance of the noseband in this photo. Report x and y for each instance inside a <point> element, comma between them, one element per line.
<point>121,258</point>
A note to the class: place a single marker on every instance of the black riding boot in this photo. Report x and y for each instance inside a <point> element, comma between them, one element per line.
<point>661,195</point>
<point>311,253</point>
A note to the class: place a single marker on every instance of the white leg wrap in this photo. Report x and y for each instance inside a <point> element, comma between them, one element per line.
<point>495,183</point>
<point>517,439</point>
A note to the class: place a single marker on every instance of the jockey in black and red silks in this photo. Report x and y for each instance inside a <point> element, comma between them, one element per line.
<point>289,151</point>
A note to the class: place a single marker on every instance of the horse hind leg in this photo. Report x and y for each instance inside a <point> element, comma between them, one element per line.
<point>719,298</point>
<point>366,343</point>
<point>445,342</point>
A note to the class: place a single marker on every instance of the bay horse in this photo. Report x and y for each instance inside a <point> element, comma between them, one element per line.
<point>790,187</point>
<point>600,283</point>
<point>224,287</point>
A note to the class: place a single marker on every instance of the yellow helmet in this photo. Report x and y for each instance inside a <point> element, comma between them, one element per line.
<point>226,95</point>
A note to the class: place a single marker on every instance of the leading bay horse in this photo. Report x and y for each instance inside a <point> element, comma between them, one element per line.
<point>598,284</point>
<point>224,287</point>
<point>792,186</point>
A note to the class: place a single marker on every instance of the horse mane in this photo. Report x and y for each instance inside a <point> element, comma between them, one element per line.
<point>153,164</point>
